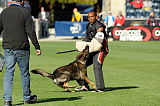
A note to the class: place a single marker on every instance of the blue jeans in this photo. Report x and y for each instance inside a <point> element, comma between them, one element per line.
<point>11,58</point>
<point>45,32</point>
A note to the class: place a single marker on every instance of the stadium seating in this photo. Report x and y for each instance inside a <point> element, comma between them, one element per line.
<point>139,13</point>
<point>155,5</point>
<point>130,13</point>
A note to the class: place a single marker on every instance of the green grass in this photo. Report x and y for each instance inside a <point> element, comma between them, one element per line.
<point>131,72</point>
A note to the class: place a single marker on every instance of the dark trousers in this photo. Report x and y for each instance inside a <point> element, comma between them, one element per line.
<point>44,26</point>
<point>97,67</point>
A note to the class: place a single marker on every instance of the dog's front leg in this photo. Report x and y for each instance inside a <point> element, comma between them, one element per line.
<point>90,82</point>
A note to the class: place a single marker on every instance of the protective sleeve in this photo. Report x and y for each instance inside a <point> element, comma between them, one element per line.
<point>94,45</point>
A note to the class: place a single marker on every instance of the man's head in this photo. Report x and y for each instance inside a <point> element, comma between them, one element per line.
<point>120,13</point>
<point>75,10</point>
<point>21,2</point>
<point>151,14</point>
<point>18,0</point>
<point>92,16</point>
<point>42,9</point>
<point>109,13</point>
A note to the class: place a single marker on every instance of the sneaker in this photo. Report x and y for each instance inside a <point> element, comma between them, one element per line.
<point>81,89</point>
<point>7,103</point>
<point>97,91</point>
<point>31,100</point>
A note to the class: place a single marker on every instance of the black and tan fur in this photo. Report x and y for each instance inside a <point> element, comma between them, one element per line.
<point>75,70</point>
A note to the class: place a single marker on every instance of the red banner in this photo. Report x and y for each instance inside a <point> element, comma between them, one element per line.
<point>136,33</point>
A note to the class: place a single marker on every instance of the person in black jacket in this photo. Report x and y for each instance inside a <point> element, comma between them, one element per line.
<point>96,58</point>
<point>16,25</point>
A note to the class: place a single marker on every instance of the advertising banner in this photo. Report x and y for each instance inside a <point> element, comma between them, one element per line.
<point>136,33</point>
<point>67,28</point>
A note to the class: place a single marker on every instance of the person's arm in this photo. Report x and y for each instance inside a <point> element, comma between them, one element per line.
<point>78,17</point>
<point>1,26</point>
<point>106,21</point>
<point>115,22</point>
<point>155,21</point>
<point>30,30</point>
<point>48,16</point>
<point>101,29</point>
<point>73,18</point>
<point>88,37</point>
<point>123,20</point>
<point>148,21</point>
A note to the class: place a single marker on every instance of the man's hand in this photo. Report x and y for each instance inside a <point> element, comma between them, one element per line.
<point>38,52</point>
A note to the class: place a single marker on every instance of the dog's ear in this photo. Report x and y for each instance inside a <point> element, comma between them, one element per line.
<point>86,48</point>
<point>79,55</point>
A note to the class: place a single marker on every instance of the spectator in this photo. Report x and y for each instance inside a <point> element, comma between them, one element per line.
<point>151,21</point>
<point>76,15</point>
<point>16,25</point>
<point>44,22</point>
<point>109,22</point>
<point>119,20</point>
<point>137,3</point>
<point>147,7</point>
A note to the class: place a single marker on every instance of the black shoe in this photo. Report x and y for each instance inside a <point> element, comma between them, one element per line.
<point>31,100</point>
<point>7,103</point>
<point>75,37</point>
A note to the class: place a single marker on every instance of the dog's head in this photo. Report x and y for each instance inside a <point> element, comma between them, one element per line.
<point>83,56</point>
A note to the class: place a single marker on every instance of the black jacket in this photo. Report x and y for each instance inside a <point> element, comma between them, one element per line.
<point>16,25</point>
<point>91,30</point>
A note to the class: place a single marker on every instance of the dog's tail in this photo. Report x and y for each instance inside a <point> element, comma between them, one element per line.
<point>43,73</point>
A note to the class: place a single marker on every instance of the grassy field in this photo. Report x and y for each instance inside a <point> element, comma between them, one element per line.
<point>131,72</point>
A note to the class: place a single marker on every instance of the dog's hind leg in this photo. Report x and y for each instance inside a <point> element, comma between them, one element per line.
<point>67,86</point>
<point>82,84</point>
<point>64,79</point>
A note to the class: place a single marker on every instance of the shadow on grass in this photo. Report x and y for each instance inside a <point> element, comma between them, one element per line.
<point>54,99</point>
<point>107,89</point>
<point>79,97</point>
<point>119,88</point>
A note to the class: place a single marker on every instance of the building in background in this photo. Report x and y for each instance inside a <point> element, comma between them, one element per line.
<point>3,4</point>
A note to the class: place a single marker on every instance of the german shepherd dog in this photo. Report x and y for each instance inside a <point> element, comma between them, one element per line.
<point>75,70</point>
